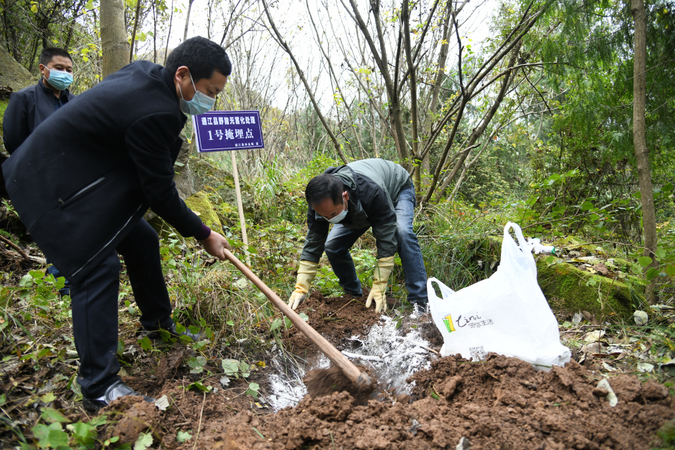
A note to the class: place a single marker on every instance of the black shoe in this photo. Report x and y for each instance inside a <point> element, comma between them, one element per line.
<point>156,335</point>
<point>116,390</point>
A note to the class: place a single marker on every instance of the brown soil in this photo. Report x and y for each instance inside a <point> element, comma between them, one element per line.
<point>322,382</point>
<point>500,403</point>
<point>335,318</point>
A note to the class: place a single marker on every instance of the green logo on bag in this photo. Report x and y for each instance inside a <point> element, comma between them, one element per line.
<point>447,320</point>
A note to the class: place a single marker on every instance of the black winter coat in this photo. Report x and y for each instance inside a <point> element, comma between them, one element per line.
<point>87,174</point>
<point>27,109</point>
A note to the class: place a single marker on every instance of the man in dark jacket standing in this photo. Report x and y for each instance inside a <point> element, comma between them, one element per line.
<point>83,179</point>
<point>355,197</point>
<point>31,106</point>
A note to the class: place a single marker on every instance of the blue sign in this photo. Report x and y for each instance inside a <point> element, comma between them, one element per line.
<point>228,130</point>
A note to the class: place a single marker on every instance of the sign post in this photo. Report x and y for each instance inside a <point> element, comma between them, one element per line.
<point>218,131</point>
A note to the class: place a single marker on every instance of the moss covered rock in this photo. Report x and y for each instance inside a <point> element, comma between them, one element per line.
<point>13,74</point>
<point>222,183</point>
<point>570,290</point>
<point>201,205</point>
<point>13,77</point>
<point>196,175</point>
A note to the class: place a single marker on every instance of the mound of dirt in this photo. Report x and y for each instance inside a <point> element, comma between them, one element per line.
<point>501,403</point>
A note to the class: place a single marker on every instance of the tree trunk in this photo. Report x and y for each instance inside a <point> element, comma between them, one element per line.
<point>187,20</point>
<point>412,73</point>
<point>154,34</point>
<point>113,36</point>
<point>480,129</point>
<point>440,76</point>
<point>390,84</point>
<point>640,139</point>
<point>133,34</point>
<point>168,34</point>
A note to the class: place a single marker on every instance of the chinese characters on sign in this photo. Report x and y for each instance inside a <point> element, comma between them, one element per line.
<point>228,130</point>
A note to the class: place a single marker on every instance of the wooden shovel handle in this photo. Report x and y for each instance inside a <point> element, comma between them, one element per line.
<point>350,370</point>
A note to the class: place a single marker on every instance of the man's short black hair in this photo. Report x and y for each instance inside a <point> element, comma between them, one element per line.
<point>50,52</point>
<point>324,186</point>
<point>201,56</point>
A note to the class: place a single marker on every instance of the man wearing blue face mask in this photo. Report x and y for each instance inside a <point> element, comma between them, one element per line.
<point>82,181</point>
<point>31,106</point>
<point>355,197</point>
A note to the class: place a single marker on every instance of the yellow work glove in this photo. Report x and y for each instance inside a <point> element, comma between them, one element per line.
<point>380,278</point>
<point>306,274</point>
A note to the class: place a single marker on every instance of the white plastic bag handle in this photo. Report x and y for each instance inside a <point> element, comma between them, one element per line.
<point>434,300</point>
<point>438,304</point>
<point>445,290</point>
<point>517,259</point>
<point>522,244</point>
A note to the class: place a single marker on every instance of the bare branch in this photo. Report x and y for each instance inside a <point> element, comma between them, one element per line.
<point>287,49</point>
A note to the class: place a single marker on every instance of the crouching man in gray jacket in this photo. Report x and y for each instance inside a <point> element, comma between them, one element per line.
<point>357,196</point>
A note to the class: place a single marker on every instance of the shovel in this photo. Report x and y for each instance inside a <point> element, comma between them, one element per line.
<point>360,379</point>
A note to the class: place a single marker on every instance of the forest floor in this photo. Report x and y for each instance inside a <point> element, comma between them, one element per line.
<point>500,403</point>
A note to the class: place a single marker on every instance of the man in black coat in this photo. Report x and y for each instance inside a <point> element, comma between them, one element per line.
<point>83,179</point>
<point>31,106</point>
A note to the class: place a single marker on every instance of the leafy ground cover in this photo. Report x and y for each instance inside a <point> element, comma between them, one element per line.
<point>210,399</point>
<point>215,393</point>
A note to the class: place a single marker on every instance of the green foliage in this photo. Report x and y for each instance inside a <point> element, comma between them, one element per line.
<point>199,386</point>
<point>316,166</point>
<point>235,368</point>
<point>42,291</point>
<point>51,436</point>
<point>665,253</point>
<point>497,175</point>
<point>560,199</point>
<point>145,343</point>
<point>143,442</point>
<point>183,436</point>
<point>80,435</point>
<point>196,364</point>
<point>577,131</point>
<point>169,250</point>
<point>253,390</point>
<point>460,250</point>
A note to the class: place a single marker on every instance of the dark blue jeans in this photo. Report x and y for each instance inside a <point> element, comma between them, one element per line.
<point>341,239</point>
<point>95,302</point>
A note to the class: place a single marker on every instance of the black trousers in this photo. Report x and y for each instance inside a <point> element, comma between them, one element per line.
<point>95,302</point>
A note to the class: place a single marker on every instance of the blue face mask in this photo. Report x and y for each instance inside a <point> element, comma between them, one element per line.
<point>199,104</point>
<point>59,79</point>
<point>338,218</point>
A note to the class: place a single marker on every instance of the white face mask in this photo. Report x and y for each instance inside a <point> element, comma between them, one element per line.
<point>338,218</point>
